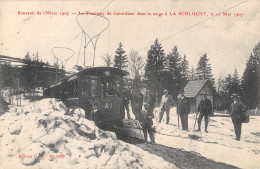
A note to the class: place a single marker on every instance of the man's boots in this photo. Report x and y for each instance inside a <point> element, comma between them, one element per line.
<point>206,126</point>
<point>152,138</point>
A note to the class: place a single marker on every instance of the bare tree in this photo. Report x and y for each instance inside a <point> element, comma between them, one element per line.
<point>108,59</point>
<point>135,66</point>
<point>220,82</point>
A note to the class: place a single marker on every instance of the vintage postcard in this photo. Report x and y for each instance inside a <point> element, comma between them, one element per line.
<point>130,84</point>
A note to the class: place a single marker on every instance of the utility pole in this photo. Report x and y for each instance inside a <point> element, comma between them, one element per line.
<point>85,46</point>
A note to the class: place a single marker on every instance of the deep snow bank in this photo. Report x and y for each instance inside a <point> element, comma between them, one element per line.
<point>41,135</point>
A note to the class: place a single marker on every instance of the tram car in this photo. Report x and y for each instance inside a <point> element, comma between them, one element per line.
<point>96,85</point>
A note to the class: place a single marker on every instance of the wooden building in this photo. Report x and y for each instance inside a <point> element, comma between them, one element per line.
<point>194,90</point>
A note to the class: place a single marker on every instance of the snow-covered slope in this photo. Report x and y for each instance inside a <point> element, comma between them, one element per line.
<point>218,144</point>
<point>40,135</point>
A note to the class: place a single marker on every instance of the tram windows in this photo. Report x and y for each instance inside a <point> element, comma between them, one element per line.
<point>94,87</point>
<point>111,89</point>
<point>108,86</point>
<point>117,84</point>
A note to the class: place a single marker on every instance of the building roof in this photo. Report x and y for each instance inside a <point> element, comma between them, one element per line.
<point>193,87</point>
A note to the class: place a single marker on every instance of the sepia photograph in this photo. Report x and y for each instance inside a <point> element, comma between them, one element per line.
<point>121,84</point>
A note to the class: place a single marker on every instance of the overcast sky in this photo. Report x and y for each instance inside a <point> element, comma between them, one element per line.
<point>227,40</point>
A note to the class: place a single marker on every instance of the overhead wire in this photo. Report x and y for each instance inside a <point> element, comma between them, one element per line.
<point>64,61</point>
<point>92,20</point>
<point>84,33</point>
<point>96,36</point>
<point>79,47</point>
<point>194,25</point>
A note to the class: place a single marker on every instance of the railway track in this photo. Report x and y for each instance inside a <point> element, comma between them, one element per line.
<point>182,159</point>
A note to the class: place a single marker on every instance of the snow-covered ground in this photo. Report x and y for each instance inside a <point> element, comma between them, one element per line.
<point>218,144</point>
<point>17,99</point>
<point>40,135</point>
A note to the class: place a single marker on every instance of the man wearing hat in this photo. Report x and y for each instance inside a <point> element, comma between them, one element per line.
<point>183,109</point>
<point>166,103</point>
<point>146,115</point>
<point>205,108</point>
<point>237,109</point>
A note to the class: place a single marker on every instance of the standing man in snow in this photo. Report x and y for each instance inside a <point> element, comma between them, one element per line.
<point>147,116</point>
<point>136,103</point>
<point>166,103</point>
<point>183,109</point>
<point>237,109</point>
<point>205,108</point>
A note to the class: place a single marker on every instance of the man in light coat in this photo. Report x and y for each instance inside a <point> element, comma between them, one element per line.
<point>166,103</point>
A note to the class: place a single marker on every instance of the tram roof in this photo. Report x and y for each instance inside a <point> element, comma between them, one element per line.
<point>95,71</point>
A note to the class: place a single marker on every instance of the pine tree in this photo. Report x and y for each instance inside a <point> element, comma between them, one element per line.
<point>120,60</point>
<point>37,56</point>
<point>192,75</point>
<point>204,70</point>
<point>154,66</point>
<point>251,79</point>
<point>7,75</point>
<point>232,84</point>
<point>27,56</point>
<point>228,86</point>
<point>174,65</point>
<point>236,82</point>
<point>225,93</point>
<point>185,68</point>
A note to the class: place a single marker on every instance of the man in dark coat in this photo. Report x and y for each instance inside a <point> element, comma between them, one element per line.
<point>183,109</point>
<point>136,103</point>
<point>97,116</point>
<point>237,109</point>
<point>205,108</point>
<point>146,116</point>
<point>149,101</point>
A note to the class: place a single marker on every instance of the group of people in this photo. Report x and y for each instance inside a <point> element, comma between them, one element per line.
<point>237,111</point>
<point>143,108</point>
<point>136,98</point>
<point>145,116</point>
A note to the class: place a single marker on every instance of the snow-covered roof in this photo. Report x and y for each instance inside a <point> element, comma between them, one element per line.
<point>193,87</point>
